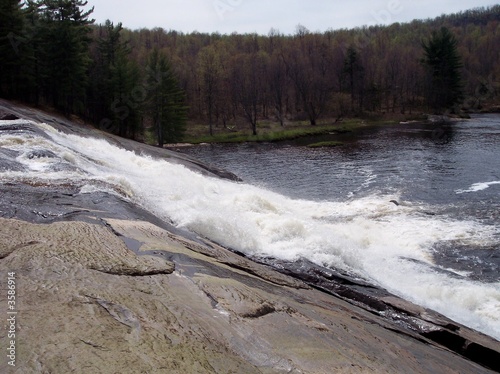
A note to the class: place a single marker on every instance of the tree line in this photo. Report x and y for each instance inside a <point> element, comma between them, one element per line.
<point>52,54</point>
<point>125,81</point>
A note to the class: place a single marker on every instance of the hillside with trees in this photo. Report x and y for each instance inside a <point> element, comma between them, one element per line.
<point>129,81</point>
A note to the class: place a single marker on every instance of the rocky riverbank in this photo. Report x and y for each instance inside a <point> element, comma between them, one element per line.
<point>103,286</point>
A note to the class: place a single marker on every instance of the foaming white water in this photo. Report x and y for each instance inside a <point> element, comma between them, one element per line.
<point>478,187</point>
<point>387,244</point>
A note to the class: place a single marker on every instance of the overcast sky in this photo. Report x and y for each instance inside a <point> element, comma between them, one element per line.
<point>248,16</point>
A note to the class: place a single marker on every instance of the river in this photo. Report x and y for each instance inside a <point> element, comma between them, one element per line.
<point>438,247</point>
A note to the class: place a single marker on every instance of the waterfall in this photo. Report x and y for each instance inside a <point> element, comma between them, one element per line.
<point>369,237</point>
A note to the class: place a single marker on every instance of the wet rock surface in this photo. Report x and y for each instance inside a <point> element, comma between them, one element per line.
<point>6,116</point>
<point>106,287</point>
<point>91,304</point>
<point>408,317</point>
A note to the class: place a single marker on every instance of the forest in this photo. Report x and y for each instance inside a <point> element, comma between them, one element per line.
<point>157,83</point>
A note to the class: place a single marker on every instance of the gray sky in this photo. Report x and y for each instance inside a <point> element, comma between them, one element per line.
<point>247,16</point>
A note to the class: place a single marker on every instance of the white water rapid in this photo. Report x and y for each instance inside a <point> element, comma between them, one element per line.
<point>389,245</point>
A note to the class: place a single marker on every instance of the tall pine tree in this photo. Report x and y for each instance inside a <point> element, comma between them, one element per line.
<point>63,30</point>
<point>115,94</point>
<point>443,65</point>
<point>11,46</point>
<point>353,74</point>
<point>166,100</point>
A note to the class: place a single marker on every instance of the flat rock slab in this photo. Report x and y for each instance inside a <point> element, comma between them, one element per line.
<point>89,304</point>
<point>77,243</point>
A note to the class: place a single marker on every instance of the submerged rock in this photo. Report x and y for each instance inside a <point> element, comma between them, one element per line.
<point>8,117</point>
<point>41,153</point>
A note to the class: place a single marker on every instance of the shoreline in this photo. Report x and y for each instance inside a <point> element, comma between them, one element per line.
<point>297,131</point>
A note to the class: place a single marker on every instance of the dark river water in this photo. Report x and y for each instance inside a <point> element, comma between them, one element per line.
<point>453,170</point>
<point>431,163</point>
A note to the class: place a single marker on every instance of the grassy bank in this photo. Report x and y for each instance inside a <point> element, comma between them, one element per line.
<point>273,132</point>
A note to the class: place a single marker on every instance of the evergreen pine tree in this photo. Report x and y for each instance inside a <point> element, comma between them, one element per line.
<point>115,79</point>
<point>30,76</point>
<point>443,65</point>
<point>166,100</point>
<point>353,72</point>
<point>125,78</point>
<point>11,46</point>
<point>63,30</point>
